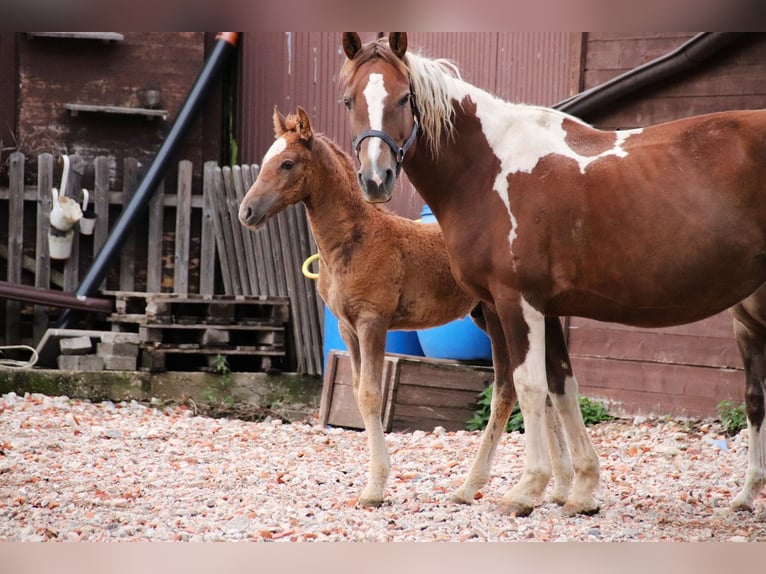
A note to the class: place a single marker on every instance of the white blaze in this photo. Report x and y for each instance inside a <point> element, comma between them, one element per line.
<point>276,148</point>
<point>375,94</point>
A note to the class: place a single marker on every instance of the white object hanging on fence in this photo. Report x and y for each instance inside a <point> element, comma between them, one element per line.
<point>65,211</point>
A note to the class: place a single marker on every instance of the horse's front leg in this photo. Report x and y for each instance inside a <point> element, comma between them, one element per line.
<point>751,338</point>
<point>503,399</point>
<point>370,353</point>
<point>524,329</point>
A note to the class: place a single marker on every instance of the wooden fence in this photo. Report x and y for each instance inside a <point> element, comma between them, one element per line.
<point>188,241</point>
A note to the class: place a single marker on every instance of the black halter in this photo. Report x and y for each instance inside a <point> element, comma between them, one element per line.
<point>399,152</point>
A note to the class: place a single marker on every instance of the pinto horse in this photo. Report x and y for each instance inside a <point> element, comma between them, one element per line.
<point>545,216</point>
<point>377,271</point>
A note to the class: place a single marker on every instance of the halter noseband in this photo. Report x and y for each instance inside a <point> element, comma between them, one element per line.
<point>399,152</point>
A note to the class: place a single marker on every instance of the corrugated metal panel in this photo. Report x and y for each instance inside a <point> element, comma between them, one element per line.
<point>301,68</point>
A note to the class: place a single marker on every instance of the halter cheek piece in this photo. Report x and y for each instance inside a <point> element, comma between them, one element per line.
<point>399,152</point>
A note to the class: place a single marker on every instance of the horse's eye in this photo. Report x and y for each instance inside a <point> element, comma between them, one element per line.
<point>404,100</point>
<point>287,165</point>
<point>347,102</point>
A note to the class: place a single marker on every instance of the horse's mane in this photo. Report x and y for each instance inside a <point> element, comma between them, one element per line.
<point>433,83</point>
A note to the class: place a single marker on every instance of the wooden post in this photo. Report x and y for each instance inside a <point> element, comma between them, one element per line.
<point>72,264</point>
<point>155,237</point>
<point>128,259</point>
<point>15,243</point>
<point>207,240</point>
<point>212,190</point>
<point>183,231</point>
<point>42,253</point>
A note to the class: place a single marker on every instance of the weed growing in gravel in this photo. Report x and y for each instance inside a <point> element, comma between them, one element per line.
<point>732,416</point>
<point>592,412</point>
<point>221,392</point>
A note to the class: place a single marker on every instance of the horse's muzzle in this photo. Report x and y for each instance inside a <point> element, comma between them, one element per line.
<point>375,191</point>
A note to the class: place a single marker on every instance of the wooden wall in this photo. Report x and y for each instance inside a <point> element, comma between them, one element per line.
<point>56,71</point>
<point>684,370</point>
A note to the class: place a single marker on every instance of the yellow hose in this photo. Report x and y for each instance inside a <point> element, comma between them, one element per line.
<point>305,267</point>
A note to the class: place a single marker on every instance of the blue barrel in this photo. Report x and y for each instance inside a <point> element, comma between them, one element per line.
<point>401,342</point>
<point>459,340</point>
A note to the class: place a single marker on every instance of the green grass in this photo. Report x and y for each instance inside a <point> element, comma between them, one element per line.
<point>592,412</point>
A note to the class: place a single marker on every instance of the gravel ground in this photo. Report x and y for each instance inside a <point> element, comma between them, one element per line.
<point>71,470</point>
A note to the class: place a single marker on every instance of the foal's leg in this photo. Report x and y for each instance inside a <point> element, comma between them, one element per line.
<point>371,333</point>
<point>562,388</point>
<point>750,332</point>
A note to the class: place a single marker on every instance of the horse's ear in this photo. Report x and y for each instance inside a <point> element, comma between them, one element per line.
<point>352,43</point>
<point>398,43</point>
<point>279,123</point>
<point>304,127</point>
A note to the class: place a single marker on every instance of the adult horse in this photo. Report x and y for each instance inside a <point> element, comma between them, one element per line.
<point>545,216</point>
<point>377,271</point>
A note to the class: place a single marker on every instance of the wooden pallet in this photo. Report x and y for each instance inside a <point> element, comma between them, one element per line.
<point>213,335</point>
<point>248,359</point>
<point>418,393</point>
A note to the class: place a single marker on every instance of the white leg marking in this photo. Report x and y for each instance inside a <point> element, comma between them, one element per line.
<point>755,479</point>
<point>375,94</point>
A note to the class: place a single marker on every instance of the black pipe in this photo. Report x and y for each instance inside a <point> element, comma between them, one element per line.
<point>681,60</point>
<point>226,43</point>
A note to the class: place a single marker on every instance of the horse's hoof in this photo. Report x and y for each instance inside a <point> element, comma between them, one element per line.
<point>583,510</point>
<point>739,506</point>
<point>516,508</point>
<point>559,499</point>
<point>460,497</point>
<point>369,502</point>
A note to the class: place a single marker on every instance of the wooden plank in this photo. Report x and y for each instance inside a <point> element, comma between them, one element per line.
<point>15,244</point>
<point>249,175</point>
<point>128,253</point>
<point>288,250</point>
<point>155,236</point>
<point>235,227</point>
<point>101,203</point>
<point>74,190</point>
<point>226,248</point>
<point>42,253</point>
<point>249,250</point>
<point>207,260</point>
<point>658,347</point>
<point>211,188</point>
<point>183,228</point>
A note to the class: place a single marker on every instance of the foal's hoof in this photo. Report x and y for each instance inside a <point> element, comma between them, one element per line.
<point>461,497</point>
<point>369,502</point>
<point>739,506</point>
<point>516,508</point>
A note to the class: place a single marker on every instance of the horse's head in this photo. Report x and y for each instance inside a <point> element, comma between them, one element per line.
<point>384,116</point>
<point>285,170</point>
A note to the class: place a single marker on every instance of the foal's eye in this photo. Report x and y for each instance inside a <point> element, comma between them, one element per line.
<point>287,165</point>
<point>347,102</point>
<point>405,100</point>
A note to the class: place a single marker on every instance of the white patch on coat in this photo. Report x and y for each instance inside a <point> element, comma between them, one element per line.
<point>375,94</point>
<point>276,148</point>
<point>520,136</point>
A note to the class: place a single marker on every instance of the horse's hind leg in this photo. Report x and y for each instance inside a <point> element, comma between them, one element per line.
<point>503,399</point>
<point>563,391</point>
<point>750,332</point>
<point>367,352</point>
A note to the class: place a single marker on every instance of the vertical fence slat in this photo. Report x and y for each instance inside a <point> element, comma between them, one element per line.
<point>235,230</point>
<point>74,191</point>
<point>128,258</point>
<point>207,247</point>
<point>213,192</point>
<point>250,262</point>
<point>183,228</point>
<point>307,288</point>
<point>42,253</point>
<point>15,242</point>
<point>155,236</point>
<point>249,174</point>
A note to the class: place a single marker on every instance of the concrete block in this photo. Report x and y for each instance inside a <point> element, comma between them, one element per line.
<point>117,337</point>
<point>75,345</point>
<point>119,363</point>
<point>118,349</point>
<point>80,363</point>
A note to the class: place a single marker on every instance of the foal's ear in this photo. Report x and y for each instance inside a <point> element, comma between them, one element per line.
<point>352,43</point>
<point>398,43</point>
<point>304,127</point>
<point>279,123</point>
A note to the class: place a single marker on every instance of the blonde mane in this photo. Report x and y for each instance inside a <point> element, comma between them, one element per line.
<point>434,82</point>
